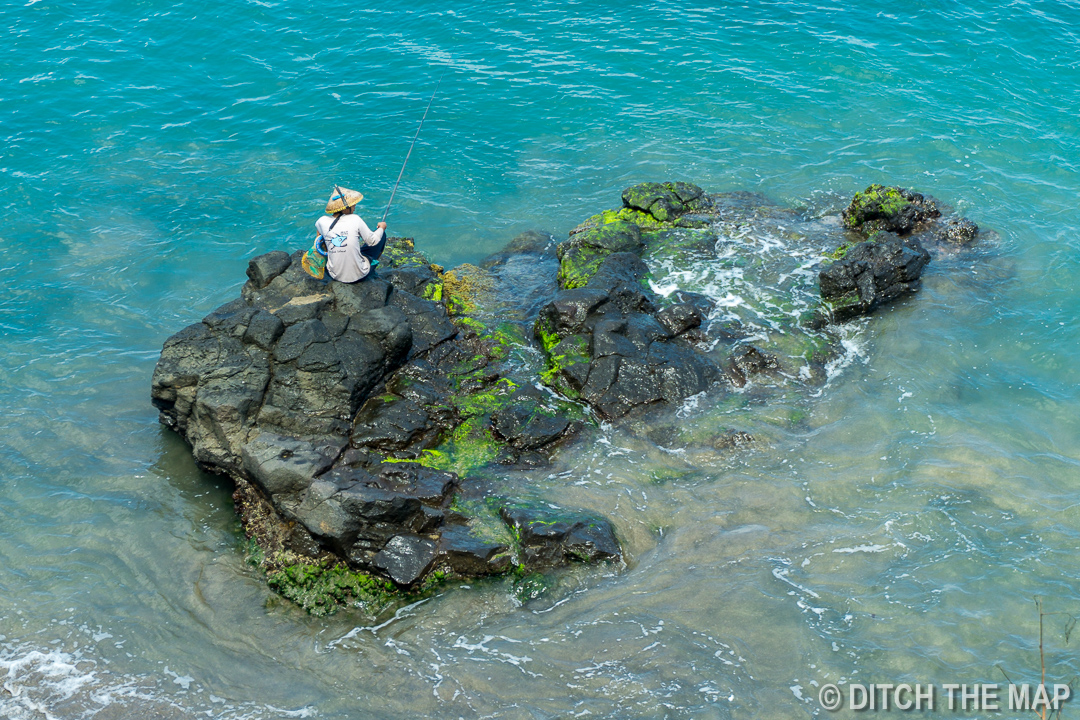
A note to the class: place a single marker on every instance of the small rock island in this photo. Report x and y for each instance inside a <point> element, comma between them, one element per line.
<point>361,423</point>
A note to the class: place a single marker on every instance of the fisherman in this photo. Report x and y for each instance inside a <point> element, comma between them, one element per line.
<point>352,248</point>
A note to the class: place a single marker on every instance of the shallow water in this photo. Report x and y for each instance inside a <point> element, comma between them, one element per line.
<point>894,529</point>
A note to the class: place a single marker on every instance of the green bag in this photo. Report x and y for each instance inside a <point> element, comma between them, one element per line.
<point>314,261</point>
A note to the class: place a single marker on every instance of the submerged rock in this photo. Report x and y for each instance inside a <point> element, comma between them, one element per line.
<point>959,232</point>
<point>362,423</point>
<point>549,539</point>
<point>747,361</point>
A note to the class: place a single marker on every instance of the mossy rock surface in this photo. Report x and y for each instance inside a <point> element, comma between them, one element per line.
<point>324,586</point>
<point>401,252</point>
<point>643,220</point>
<point>566,357</point>
<point>466,288</point>
<point>665,201</point>
<point>893,209</point>
<point>582,255</point>
<point>451,407</point>
<point>655,206</point>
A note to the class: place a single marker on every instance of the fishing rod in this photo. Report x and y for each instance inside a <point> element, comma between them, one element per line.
<point>411,147</point>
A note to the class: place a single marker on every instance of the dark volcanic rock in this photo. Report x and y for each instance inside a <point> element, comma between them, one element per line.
<point>406,558</point>
<point>413,280</point>
<point>284,467</point>
<point>340,409</point>
<point>429,322</point>
<point>433,488</point>
<point>872,274</point>
<point>355,513</point>
<point>666,201</point>
<point>580,258</point>
<point>391,423</point>
<point>263,269</point>
<point>359,421</point>
<point>549,538</point>
<point>209,387</point>
<point>352,298</point>
<point>469,554</point>
<point>570,309</point>
<point>264,329</point>
<point>607,344</point>
<point>679,318</point>
<point>526,424</point>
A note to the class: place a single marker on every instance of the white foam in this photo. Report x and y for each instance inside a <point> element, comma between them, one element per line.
<point>54,683</point>
<point>498,655</point>
<point>57,673</point>
<point>782,575</point>
<point>863,549</point>
<point>851,338</point>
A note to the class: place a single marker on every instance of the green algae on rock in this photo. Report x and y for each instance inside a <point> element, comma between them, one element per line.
<point>580,257</point>
<point>464,287</point>
<point>666,201</point>
<point>892,209</point>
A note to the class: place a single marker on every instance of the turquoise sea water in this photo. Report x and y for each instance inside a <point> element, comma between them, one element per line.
<point>896,532</point>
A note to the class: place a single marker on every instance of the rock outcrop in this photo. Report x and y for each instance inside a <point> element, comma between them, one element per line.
<point>873,273</point>
<point>885,259</point>
<point>350,416</point>
<point>362,423</point>
<point>892,209</point>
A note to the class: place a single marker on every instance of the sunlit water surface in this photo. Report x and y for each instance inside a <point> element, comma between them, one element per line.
<point>895,528</point>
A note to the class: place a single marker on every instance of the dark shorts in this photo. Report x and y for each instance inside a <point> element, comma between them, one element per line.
<point>374,252</point>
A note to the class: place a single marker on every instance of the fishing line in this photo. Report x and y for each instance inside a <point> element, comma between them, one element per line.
<point>411,147</point>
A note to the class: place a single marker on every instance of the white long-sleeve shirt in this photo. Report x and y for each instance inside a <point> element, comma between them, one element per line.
<point>344,261</point>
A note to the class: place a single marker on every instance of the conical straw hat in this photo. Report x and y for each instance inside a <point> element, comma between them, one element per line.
<point>342,198</point>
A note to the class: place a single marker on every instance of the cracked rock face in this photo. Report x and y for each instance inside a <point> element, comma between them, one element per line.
<point>326,400</point>
<point>873,273</point>
<point>886,260</point>
<point>610,346</point>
